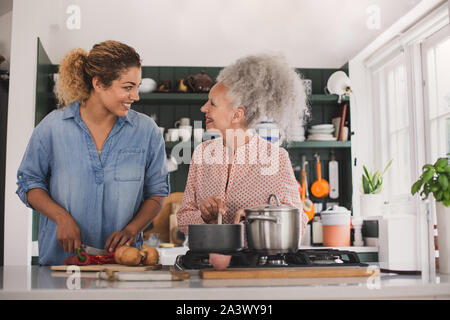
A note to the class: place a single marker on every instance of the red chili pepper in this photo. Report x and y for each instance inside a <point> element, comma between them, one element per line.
<point>80,259</point>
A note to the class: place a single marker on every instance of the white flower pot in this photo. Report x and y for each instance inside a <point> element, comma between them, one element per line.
<point>372,205</point>
<point>443,226</point>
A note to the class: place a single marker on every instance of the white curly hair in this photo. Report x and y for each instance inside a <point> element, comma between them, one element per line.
<point>269,89</point>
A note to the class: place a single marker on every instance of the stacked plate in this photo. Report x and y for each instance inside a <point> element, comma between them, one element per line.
<point>321,132</point>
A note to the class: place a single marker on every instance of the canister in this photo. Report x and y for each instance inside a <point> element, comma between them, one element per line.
<point>336,227</point>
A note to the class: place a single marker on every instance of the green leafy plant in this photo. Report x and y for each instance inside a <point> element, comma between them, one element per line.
<point>373,182</point>
<point>434,179</point>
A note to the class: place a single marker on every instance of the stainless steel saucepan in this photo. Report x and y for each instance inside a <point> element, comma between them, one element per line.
<point>273,228</point>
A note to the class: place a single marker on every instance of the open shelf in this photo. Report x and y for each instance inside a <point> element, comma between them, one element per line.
<point>200,97</point>
<point>292,145</point>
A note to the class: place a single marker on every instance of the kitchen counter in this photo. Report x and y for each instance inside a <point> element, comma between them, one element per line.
<point>39,282</point>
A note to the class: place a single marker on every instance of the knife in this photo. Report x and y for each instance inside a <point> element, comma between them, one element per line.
<point>93,251</point>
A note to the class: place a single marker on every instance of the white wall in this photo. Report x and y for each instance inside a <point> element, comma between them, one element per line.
<point>26,28</point>
<point>312,34</point>
<point>5,38</point>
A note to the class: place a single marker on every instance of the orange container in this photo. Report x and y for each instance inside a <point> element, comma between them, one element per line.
<point>336,227</point>
<point>336,236</point>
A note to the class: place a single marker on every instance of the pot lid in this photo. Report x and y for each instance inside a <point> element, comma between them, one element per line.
<point>336,210</point>
<point>268,207</point>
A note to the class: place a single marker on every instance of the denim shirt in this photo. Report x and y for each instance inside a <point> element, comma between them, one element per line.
<point>102,193</point>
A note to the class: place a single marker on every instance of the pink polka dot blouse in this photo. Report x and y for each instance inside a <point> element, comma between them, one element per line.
<point>258,170</point>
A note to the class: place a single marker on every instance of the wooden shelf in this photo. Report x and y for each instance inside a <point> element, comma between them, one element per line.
<point>181,97</point>
<point>318,144</point>
<point>292,145</point>
<point>326,98</point>
<point>202,97</point>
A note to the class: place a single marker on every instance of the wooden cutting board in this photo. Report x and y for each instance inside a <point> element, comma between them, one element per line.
<point>303,272</point>
<point>112,267</point>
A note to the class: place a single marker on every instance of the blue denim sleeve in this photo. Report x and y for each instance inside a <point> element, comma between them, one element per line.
<point>156,174</point>
<point>34,168</point>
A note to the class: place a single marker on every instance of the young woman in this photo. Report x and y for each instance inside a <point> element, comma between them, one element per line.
<point>95,169</point>
<point>241,169</point>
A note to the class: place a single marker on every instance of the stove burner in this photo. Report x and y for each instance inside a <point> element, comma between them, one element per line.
<point>254,259</point>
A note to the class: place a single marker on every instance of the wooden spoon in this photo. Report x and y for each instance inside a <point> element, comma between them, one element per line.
<point>308,206</point>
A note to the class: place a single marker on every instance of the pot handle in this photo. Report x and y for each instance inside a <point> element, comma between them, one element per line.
<point>262,218</point>
<point>276,199</point>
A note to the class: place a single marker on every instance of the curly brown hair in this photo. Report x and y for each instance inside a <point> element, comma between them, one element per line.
<point>106,60</point>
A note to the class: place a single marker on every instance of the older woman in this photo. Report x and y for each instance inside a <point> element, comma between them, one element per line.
<point>241,169</point>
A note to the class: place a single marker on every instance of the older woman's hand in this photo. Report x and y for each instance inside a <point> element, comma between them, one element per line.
<point>210,208</point>
<point>239,216</point>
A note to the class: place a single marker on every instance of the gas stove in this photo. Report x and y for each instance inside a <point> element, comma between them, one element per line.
<point>257,259</point>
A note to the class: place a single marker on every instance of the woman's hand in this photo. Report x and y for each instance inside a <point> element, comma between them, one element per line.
<point>120,238</point>
<point>68,233</point>
<point>210,208</point>
<point>239,216</point>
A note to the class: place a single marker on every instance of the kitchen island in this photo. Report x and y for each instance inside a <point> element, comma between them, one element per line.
<point>40,282</point>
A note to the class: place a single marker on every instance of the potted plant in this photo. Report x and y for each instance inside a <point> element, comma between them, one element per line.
<point>371,198</point>
<point>435,179</point>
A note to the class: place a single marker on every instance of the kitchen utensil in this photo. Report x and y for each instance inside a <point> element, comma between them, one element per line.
<point>308,206</point>
<point>174,134</point>
<point>336,124</point>
<point>216,238</point>
<point>321,131</point>
<point>147,85</point>
<point>185,132</point>
<point>181,85</point>
<point>163,275</point>
<point>333,172</point>
<point>321,137</point>
<point>339,83</point>
<point>307,83</point>
<point>200,82</point>
<point>336,227</point>
<point>93,251</point>
<point>322,126</point>
<point>112,267</point>
<point>304,272</point>
<point>182,122</point>
<point>273,228</point>
<point>164,85</point>
<point>320,188</point>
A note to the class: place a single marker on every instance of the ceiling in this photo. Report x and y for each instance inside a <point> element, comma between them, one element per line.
<point>312,33</point>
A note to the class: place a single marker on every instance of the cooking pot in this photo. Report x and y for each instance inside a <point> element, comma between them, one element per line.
<point>216,238</point>
<point>273,228</point>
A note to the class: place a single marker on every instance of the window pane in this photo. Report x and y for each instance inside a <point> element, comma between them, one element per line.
<point>431,82</point>
<point>443,75</point>
<point>401,92</point>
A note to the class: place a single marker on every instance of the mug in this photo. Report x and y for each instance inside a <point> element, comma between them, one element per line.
<point>185,132</point>
<point>174,134</point>
<point>308,86</point>
<point>183,122</point>
<point>162,130</point>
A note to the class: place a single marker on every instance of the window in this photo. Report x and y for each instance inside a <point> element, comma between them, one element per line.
<point>436,73</point>
<point>391,91</point>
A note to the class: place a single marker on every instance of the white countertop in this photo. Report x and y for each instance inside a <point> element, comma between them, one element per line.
<point>39,282</point>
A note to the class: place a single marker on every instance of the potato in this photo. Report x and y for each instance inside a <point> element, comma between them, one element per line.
<point>151,256</point>
<point>131,257</point>
<point>118,253</point>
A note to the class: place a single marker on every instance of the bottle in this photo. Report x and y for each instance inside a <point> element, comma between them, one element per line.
<point>317,237</point>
